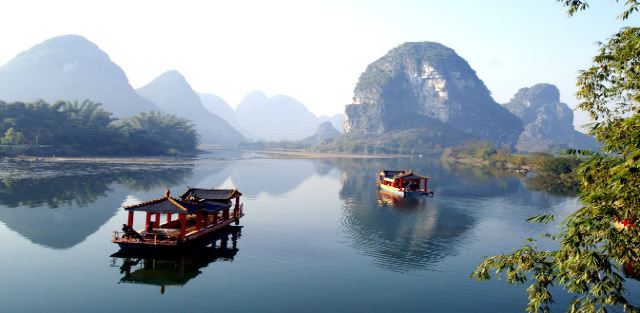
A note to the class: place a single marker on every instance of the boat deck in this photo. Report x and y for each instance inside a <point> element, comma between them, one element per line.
<point>167,236</point>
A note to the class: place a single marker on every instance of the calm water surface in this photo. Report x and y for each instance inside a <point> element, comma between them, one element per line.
<point>317,237</point>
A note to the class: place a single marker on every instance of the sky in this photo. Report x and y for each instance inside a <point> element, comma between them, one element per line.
<point>314,51</point>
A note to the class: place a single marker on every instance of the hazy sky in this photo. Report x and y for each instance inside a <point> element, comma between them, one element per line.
<point>315,51</point>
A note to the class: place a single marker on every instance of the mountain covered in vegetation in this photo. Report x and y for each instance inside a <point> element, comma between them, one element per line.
<point>422,94</point>
<point>548,123</point>
<point>275,118</point>
<point>173,94</point>
<point>325,133</point>
<point>337,121</point>
<point>70,68</point>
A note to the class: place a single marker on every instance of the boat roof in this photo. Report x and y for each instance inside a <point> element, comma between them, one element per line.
<point>211,194</point>
<point>404,174</point>
<point>411,175</point>
<point>387,173</point>
<point>168,204</point>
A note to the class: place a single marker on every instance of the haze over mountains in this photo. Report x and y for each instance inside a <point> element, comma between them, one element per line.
<point>275,118</point>
<point>70,68</point>
<point>173,94</point>
<point>219,107</point>
<point>420,94</point>
<point>270,118</point>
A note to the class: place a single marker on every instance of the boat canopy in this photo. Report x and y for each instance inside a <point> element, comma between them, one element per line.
<point>210,194</point>
<point>172,205</point>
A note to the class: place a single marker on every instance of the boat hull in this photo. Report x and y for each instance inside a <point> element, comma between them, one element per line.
<point>166,245</point>
<point>402,193</point>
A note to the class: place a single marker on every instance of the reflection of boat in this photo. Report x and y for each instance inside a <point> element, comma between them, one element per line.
<point>176,268</point>
<point>403,183</point>
<point>396,201</point>
<point>200,212</point>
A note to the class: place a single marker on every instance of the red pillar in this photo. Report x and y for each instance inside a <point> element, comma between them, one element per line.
<point>157,220</point>
<point>168,217</point>
<point>183,225</point>
<point>130,220</point>
<point>198,221</point>
<point>225,214</point>
<point>236,209</point>
<point>147,221</point>
<point>425,185</point>
<point>215,218</point>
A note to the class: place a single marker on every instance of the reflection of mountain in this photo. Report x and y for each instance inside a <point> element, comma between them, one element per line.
<point>177,268</point>
<point>404,234</point>
<point>61,204</point>
<point>400,234</point>
<point>274,177</point>
<point>211,175</point>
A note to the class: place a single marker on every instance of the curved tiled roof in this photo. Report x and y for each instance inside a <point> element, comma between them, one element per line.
<point>211,194</point>
<point>405,174</point>
<point>172,205</point>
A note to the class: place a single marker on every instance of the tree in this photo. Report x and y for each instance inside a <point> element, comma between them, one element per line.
<point>161,133</point>
<point>601,240</point>
<point>12,137</point>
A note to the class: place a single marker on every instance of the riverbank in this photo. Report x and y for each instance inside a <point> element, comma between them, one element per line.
<point>104,160</point>
<point>545,172</point>
<point>305,154</point>
<point>210,154</point>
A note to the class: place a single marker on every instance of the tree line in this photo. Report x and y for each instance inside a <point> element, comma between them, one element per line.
<point>84,128</point>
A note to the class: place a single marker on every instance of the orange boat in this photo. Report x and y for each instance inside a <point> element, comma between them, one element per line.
<point>199,212</point>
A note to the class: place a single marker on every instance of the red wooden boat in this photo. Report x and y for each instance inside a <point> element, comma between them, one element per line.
<point>199,212</point>
<point>403,183</point>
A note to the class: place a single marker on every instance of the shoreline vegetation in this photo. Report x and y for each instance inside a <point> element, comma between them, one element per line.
<point>66,128</point>
<point>553,173</point>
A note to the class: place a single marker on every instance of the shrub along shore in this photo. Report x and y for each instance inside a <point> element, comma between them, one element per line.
<point>555,173</point>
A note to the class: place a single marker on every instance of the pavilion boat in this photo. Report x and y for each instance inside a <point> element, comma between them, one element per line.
<point>403,183</point>
<point>200,213</point>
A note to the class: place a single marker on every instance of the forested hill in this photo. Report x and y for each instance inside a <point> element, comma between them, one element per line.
<point>74,129</point>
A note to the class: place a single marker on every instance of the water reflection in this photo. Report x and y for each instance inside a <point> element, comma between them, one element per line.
<point>401,203</point>
<point>400,234</point>
<point>82,184</point>
<point>177,268</point>
<point>59,205</point>
<point>274,177</point>
<point>403,234</point>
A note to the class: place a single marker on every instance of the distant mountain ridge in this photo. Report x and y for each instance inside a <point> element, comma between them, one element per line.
<point>548,123</point>
<point>70,67</point>
<point>275,118</point>
<point>173,94</point>
<point>219,107</point>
